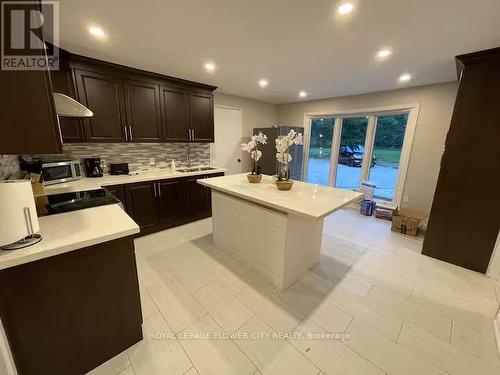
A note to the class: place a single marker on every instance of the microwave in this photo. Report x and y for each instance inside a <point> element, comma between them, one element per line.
<point>61,171</point>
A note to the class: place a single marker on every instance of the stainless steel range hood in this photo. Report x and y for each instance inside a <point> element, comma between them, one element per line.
<point>69,107</point>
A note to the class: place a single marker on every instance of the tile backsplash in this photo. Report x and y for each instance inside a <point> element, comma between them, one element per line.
<point>138,155</point>
<point>9,167</point>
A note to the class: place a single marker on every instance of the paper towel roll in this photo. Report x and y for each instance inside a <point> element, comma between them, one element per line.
<point>18,217</point>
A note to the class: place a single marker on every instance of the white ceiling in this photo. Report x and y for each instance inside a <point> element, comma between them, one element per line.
<point>295,44</point>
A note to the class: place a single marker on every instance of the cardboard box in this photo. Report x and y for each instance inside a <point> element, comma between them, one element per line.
<point>406,221</point>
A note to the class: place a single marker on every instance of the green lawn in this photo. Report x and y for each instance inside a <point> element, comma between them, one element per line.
<point>384,155</point>
<point>388,155</point>
<point>324,154</point>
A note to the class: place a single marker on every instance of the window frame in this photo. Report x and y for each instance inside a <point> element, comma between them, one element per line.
<point>373,114</point>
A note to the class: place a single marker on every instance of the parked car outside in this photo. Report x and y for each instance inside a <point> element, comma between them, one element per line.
<point>353,156</point>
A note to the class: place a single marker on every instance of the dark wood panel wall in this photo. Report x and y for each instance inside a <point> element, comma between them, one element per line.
<point>464,220</point>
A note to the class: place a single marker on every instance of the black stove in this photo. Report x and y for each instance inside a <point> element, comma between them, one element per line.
<point>79,200</point>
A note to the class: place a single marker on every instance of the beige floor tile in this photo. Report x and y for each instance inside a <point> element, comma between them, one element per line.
<point>113,366</point>
<point>443,355</point>
<point>463,314</point>
<point>178,307</point>
<point>270,309</point>
<point>226,309</point>
<point>210,352</point>
<point>191,371</point>
<point>429,320</point>
<point>147,304</point>
<point>271,354</point>
<point>160,352</point>
<point>186,269</point>
<point>311,302</point>
<point>127,371</point>
<point>379,319</point>
<point>386,354</point>
<point>332,356</point>
<point>483,346</point>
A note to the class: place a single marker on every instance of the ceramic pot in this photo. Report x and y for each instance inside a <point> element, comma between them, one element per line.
<point>284,184</point>
<point>254,178</point>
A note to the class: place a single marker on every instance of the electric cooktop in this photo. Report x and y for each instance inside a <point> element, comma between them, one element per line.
<point>79,200</point>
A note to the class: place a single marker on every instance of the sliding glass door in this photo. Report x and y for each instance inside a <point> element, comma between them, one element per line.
<point>351,152</point>
<point>346,150</point>
<point>320,148</point>
<point>387,146</point>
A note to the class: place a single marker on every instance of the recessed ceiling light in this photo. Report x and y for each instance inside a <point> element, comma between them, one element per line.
<point>345,8</point>
<point>302,94</point>
<point>97,32</point>
<point>263,83</point>
<point>404,77</point>
<point>210,67</point>
<point>383,53</point>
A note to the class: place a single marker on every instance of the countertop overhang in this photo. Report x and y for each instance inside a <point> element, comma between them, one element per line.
<point>307,200</point>
<point>71,231</point>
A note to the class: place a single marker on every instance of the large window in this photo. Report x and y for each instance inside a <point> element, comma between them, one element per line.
<point>346,149</point>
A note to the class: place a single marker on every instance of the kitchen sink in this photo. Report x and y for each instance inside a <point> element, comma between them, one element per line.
<point>195,169</point>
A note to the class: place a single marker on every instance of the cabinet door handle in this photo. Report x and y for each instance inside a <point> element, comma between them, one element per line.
<point>154,189</point>
<point>126,135</point>
<point>159,190</point>
<point>130,132</point>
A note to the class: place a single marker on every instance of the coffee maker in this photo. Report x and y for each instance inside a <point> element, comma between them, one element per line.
<point>93,167</point>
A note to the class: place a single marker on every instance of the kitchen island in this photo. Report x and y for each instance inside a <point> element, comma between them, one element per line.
<point>276,233</point>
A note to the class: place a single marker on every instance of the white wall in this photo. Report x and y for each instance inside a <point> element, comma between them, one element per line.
<point>494,266</point>
<point>436,107</point>
<point>256,114</point>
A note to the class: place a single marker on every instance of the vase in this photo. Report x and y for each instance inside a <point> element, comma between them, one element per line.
<point>284,185</point>
<point>254,178</point>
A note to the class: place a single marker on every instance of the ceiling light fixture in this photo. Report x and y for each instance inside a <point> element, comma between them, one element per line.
<point>97,32</point>
<point>210,67</point>
<point>302,94</point>
<point>345,8</point>
<point>263,83</point>
<point>404,78</point>
<point>383,53</point>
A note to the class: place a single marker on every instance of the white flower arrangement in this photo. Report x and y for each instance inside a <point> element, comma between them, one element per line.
<point>252,148</point>
<point>282,155</point>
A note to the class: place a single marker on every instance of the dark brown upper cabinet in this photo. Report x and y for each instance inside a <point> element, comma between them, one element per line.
<point>132,105</point>
<point>103,94</point>
<point>28,121</point>
<point>175,114</point>
<point>201,115</point>
<point>142,102</point>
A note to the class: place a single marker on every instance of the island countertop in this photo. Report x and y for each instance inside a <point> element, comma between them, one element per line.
<point>71,231</point>
<point>309,200</point>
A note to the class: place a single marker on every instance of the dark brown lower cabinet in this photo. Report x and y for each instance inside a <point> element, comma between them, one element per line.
<point>142,204</point>
<point>169,202</point>
<point>119,192</point>
<point>158,205</point>
<point>67,314</point>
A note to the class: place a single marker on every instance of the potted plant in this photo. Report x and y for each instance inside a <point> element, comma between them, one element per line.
<point>284,158</point>
<point>252,148</point>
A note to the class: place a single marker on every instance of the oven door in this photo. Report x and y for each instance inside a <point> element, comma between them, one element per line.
<point>55,173</point>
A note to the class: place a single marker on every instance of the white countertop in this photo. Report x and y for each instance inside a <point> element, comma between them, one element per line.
<point>89,183</point>
<point>310,200</point>
<point>72,231</point>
